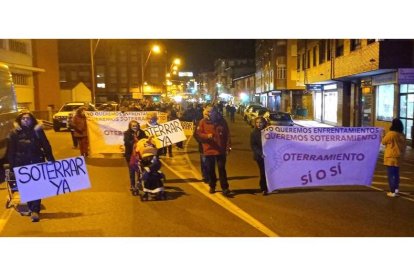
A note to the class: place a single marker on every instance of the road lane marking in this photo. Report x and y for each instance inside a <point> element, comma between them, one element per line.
<point>220,199</point>
<point>4,219</point>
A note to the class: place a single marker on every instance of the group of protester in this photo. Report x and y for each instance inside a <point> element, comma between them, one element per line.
<point>28,144</point>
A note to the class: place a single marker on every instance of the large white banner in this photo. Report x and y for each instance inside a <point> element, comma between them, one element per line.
<point>106,128</point>
<point>167,133</point>
<point>51,178</point>
<point>320,156</point>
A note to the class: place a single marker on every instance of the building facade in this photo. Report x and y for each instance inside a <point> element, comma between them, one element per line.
<point>359,82</point>
<point>34,68</point>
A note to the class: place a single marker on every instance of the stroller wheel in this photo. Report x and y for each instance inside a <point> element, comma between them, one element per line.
<point>144,197</point>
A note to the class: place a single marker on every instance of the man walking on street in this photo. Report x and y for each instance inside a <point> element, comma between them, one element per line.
<point>214,134</point>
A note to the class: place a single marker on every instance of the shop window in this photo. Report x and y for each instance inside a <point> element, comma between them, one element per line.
<point>385,102</point>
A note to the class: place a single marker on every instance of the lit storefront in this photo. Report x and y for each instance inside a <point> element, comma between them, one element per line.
<point>325,103</point>
<point>385,86</point>
<point>406,111</point>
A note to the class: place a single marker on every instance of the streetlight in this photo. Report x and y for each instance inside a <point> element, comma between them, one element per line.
<point>92,53</point>
<point>156,49</point>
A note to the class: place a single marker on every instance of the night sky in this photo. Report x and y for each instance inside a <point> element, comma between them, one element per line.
<point>198,55</point>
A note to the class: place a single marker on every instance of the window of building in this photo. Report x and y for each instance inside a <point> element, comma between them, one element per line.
<point>322,49</point>
<point>385,102</point>
<point>281,72</point>
<point>355,44</point>
<point>328,50</point>
<point>73,75</point>
<point>17,46</point>
<point>304,61</point>
<point>339,47</point>
<point>370,41</point>
<point>298,63</point>
<point>407,108</point>
<point>20,79</point>
<point>308,57</point>
<point>314,61</point>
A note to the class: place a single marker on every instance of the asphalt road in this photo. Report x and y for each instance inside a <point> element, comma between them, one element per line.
<point>109,210</point>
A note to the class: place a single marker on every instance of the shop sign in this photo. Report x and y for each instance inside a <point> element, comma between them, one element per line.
<point>384,79</point>
<point>332,86</point>
<point>406,75</point>
<point>314,87</point>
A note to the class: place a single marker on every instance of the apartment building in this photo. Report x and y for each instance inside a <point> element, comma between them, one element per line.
<point>359,82</point>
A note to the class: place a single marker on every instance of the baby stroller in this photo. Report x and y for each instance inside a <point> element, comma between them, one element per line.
<point>150,178</point>
<point>13,196</point>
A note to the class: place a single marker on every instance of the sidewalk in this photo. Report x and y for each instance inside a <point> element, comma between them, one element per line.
<point>310,123</point>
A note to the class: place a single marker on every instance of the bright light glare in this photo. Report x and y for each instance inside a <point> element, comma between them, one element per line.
<point>156,49</point>
<point>177,61</point>
<point>244,97</point>
<point>178,99</point>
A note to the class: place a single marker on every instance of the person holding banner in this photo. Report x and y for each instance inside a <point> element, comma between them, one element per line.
<point>260,123</point>
<point>214,134</point>
<point>28,144</point>
<point>132,135</point>
<point>79,125</point>
<point>395,145</point>
<point>152,120</point>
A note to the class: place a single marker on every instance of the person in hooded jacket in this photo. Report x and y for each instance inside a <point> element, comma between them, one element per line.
<point>260,123</point>
<point>80,130</point>
<point>27,144</point>
<point>214,135</point>
<point>132,135</point>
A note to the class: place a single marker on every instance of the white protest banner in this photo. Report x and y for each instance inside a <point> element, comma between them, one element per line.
<point>319,156</point>
<point>106,128</point>
<point>188,127</point>
<point>167,133</point>
<point>51,178</point>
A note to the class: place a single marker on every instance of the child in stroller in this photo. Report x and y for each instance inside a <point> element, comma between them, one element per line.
<point>148,166</point>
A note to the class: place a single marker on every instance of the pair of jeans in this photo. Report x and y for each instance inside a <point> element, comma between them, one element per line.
<point>262,181</point>
<point>393,177</point>
<point>221,165</point>
<point>204,168</point>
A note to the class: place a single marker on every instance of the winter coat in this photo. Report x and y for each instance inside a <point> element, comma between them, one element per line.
<point>256,144</point>
<point>394,148</point>
<point>220,143</point>
<point>131,137</point>
<point>79,126</point>
<point>28,145</point>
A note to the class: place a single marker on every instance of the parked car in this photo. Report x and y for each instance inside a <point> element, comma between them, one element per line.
<point>253,115</point>
<point>247,109</point>
<point>60,119</point>
<point>109,106</point>
<point>279,118</point>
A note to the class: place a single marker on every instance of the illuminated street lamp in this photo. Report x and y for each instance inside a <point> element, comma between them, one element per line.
<point>154,49</point>
<point>92,54</point>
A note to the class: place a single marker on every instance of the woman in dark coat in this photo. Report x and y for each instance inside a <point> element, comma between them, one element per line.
<point>28,144</point>
<point>256,145</point>
<point>133,134</point>
<point>80,130</point>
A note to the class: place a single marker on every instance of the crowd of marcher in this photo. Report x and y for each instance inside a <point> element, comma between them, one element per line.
<point>28,144</point>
